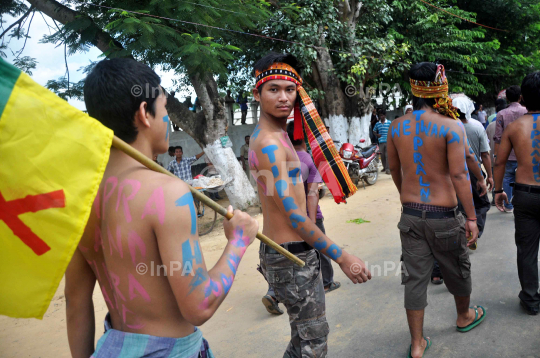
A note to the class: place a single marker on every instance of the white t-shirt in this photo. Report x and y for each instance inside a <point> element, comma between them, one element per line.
<point>482,116</point>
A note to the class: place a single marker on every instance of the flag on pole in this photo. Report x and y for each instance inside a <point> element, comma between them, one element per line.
<point>52,160</point>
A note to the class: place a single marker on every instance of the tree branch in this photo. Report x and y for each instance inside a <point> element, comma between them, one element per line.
<point>18,21</point>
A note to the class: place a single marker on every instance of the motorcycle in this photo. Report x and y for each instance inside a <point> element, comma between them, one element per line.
<point>361,163</point>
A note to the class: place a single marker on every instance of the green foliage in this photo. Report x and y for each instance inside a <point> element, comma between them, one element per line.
<point>25,64</point>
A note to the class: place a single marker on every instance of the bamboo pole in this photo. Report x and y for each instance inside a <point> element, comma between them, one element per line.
<point>150,164</point>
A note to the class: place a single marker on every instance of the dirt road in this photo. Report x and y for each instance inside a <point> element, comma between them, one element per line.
<point>365,320</point>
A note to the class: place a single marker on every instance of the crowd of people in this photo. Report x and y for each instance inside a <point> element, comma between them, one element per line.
<point>434,154</point>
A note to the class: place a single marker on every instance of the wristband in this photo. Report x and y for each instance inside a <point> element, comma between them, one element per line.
<point>498,191</point>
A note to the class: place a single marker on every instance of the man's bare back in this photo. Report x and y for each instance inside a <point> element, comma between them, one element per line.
<point>422,140</point>
<point>524,136</point>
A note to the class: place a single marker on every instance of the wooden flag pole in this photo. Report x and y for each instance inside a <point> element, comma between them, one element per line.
<point>150,164</point>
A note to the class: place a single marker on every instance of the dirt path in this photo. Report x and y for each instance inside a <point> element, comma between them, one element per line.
<point>365,320</point>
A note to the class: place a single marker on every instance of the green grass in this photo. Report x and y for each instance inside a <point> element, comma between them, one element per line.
<point>358,221</point>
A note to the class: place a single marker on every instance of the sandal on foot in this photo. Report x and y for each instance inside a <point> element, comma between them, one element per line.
<point>331,287</point>
<point>437,282</point>
<point>428,341</point>
<point>476,321</point>
<point>271,305</point>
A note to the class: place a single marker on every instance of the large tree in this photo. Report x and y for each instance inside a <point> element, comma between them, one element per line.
<point>164,33</point>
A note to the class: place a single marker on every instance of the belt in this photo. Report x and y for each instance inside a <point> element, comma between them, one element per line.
<point>292,247</point>
<point>429,214</point>
<point>527,188</point>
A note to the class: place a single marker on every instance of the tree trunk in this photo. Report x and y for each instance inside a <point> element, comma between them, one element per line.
<point>205,127</point>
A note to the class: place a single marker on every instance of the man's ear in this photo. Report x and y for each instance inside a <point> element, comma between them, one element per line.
<point>142,115</point>
<point>256,95</point>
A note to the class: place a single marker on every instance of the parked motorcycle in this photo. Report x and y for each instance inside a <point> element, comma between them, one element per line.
<point>361,163</point>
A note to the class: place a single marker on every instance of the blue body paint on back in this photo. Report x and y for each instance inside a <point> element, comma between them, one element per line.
<point>187,199</point>
<point>166,120</point>
<point>417,156</point>
<point>269,151</point>
<point>535,153</point>
<point>281,187</point>
<point>406,127</point>
<point>395,131</point>
<point>455,138</point>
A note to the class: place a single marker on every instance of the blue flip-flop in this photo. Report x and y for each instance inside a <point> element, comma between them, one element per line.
<point>476,321</point>
<point>425,349</point>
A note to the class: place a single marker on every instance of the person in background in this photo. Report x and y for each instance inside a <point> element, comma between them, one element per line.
<point>482,116</point>
<point>522,138</point>
<point>181,167</point>
<point>381,131</point>
<point>156,161</point>
<point>242,100</point>
<point>408,109</point>
<point>500,104</point>
<point>374,120</point>
<point>504,118</point>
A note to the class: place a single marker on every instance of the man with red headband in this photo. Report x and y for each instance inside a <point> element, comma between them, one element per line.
<point>276,168</point>
<point>427,152</point>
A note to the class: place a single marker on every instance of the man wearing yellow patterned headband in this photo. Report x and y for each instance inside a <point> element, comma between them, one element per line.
<point>427,159</point>
<point>276,168</point>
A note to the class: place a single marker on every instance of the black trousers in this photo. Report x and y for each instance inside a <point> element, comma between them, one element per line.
<point>527,221</point>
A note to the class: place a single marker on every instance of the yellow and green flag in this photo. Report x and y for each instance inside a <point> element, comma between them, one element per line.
<point>52,159</point>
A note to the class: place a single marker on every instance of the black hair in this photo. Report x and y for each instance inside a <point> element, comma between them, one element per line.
<point>273,57</point>
<point>530,89</point>
<point>178,147</point>
<point>171,148</point>
<point>461,115</point>
<point>247,136</point>
<point>500,104</point>
<point>114,91</point>
<point>513,93</point>
<point>290,133</point>
<point>382,111</point>
<point>423,71</point>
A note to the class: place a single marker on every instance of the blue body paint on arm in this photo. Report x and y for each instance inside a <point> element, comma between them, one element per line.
<point>296,219</point>
<point>289,204</point>
<point>275,171</point>
<point>320,244</point>
<point>198,279</point>
<point>334,252</point>
<point>281,187</point>
<point>187,199</point>
<point>269,151</point>
<point>294,174</point>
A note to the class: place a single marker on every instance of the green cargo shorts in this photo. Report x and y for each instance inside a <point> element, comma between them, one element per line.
<point>422,241</point>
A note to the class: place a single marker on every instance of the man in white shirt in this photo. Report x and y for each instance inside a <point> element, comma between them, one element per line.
<point>482,116</point>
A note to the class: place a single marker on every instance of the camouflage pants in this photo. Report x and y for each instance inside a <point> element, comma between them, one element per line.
<point>301,290</point>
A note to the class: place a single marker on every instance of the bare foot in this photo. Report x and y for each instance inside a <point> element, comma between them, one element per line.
<point>470,317</point>
<point>417,351</point>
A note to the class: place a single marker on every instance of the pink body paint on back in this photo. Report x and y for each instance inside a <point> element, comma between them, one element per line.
<point>284,139</point>
<point>107,196</point>
<point>135,186</point>
<point>134,285</point>
<point>116,283</point>
<point>135,241</point>
<point>118,245</point>
<point>155,205</point>
<point>124,318</point>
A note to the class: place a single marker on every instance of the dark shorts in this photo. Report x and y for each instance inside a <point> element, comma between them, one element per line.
<point>422,241</point>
